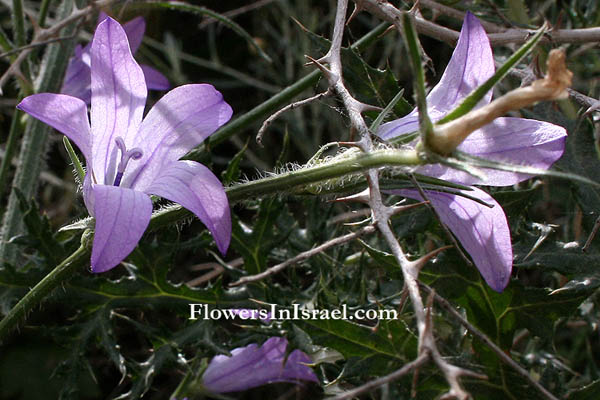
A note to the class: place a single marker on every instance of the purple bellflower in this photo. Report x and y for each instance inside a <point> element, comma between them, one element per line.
<point>77,78</point>
<point>482,231</point>
<point>128,158</point>
<point>253,366</point>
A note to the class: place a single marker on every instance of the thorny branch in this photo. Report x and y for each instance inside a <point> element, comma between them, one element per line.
<point>387,12</point>
<point>289,107</point>
<point>304,255</point>
<point>413,365</point>
<point>380,212</point>
<point>319,249</point>
<point>481,336</point>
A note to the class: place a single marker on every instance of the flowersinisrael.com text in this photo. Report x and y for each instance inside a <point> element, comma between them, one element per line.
<point>203,311</point>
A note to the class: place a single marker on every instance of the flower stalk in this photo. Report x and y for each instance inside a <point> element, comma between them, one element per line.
<point>58,276</point>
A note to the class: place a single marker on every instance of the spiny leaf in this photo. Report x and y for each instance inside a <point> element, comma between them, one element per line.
<point>369,85</point>
<point>391,339</point>
<point>499,315</point>
<point>254,244</point>
<point>41,235</point>
<point>232,173</point>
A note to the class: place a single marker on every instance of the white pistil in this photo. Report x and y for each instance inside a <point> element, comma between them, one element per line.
<point>135,154</point>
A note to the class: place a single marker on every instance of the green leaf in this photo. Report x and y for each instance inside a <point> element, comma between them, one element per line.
<point>499,315</point>
<point>40,234</point>
<point>382,115</point>
<point>369,85</point>
<point>390,340</point>
<point>514,203</point>
<point>80,173</point>
<point>517,11</point>
<point>148,285</point>
<point>580,157</point>
<point>565,258</point>
<point>385,260</point>
<point>255,243</point>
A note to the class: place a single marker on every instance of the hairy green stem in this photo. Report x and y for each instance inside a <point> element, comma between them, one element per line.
<point>287,181</point>
<point>35,296</point>
<point>343,165</point>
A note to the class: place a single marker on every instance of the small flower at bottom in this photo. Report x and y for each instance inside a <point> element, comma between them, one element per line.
<point>253,366</point>
<point>128,158</point>
<point>482,231</point>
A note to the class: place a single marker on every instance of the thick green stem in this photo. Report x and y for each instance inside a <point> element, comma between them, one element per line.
<point>43,12</point>
<point>414,54</point>
<point>344,165</point>
<point>35,296</point>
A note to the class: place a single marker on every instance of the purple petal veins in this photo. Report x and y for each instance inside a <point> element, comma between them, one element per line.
<point>115,134</point>
<point>77,78</point>
<point>483,232</point>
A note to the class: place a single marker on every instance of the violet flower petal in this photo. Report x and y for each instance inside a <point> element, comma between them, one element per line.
<point>178,122</point>
<point>154,79</point>
<point>118,98</point>
<point>77,77</point>
<point>134,30</point>
<point>471,64</point>
<point>122,215</point>
<point>482,231</point>
<point>511,140</point>
<point>64,113</point>
<point>253,366</point>
<point>196,188</point>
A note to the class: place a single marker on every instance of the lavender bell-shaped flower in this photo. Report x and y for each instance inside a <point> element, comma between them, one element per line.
<point>483,231</point>
<point>128,158</point>
<point>77,81</point>
<point>253,366</point>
